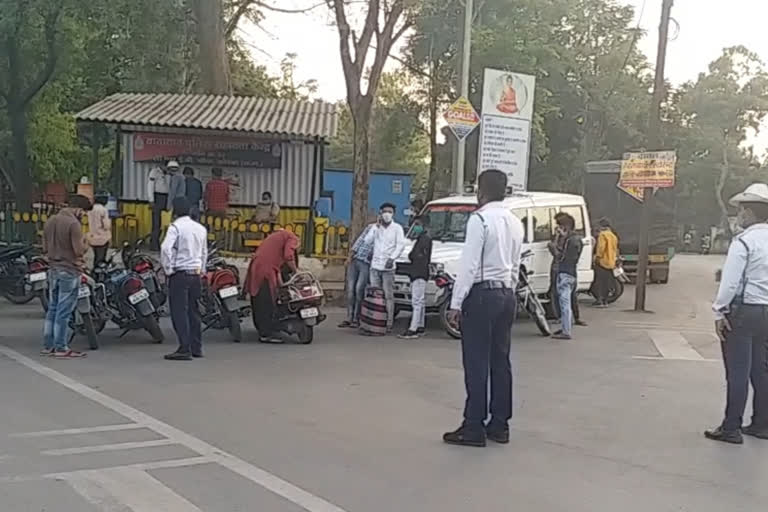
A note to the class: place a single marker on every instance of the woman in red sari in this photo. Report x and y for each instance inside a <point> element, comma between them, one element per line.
<point>277,251</point>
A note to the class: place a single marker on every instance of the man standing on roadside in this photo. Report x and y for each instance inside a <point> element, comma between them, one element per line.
<point>388,241</point>
<point>358,273</point>
<point>216,197</point>
<point>194,192</point>
<point>177,185</point>
<point>606,255</point>
<point>567,272</point>
<point>420,257</point>
<point>157,189</point>
<point>741,319</point>
<point>183,255</point>
<point>556,250</point>
<point>65,246</point>
<point>484,303</point>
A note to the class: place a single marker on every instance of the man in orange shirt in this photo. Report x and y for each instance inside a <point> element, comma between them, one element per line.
<point>216,196</point>
<point>606,255</point>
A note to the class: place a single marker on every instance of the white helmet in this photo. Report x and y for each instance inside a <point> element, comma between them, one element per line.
<point>755,193</point>
<point>173,164</point>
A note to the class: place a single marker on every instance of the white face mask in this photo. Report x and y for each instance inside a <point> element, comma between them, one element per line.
<point>386,217</point>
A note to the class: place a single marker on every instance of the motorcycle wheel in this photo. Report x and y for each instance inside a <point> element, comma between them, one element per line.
<point>616,292</point>
<point>536,311</point>
<point>19,299</point>
<point>153,328</point>
<point>90,332</point>
<point>452,332</point>
<point>44,301</point>
<point>233,324</point>
<point>305,334</point>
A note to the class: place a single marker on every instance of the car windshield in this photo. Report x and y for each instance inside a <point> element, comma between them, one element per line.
<point>448,222</point>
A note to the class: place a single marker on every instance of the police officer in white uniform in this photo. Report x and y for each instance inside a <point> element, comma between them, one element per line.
<point>741,313</point>
<point>484,305</point>
<point>184,254</point>
<point>157,190</point>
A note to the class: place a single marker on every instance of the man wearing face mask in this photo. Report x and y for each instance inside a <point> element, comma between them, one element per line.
<point>484,305</point>
<point>64,245</point>
<point>388,241</point>
<point>267,210</point>
<point>741,319</point>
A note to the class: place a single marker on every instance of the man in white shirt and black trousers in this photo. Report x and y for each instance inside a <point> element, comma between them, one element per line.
<point>183,254</point>
<point>741,319</point>
<point>484,306</point>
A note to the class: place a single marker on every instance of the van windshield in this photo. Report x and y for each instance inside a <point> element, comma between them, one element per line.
<point>448,222</point>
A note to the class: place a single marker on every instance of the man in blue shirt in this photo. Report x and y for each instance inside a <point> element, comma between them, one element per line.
<point>358,271</point>
<point>741,319</point>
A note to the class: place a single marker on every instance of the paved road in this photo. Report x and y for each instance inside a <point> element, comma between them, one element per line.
<point>611,420</point>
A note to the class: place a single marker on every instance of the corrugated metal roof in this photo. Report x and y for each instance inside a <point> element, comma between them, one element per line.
<point>235,113</point>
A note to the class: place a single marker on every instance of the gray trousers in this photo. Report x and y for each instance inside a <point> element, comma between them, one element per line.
<point>385,279</point>
<point>745,355</point>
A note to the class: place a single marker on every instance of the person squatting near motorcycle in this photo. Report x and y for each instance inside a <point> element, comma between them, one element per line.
<point>606,256</point>
<point>567,265</point>
<point>484,302</point>
<point>420,256</point>
<point>556,250</point>
<point>741,319</point>
<point>276,255</point>
<point>358,274</point>
<point>183,255</point>
<point>65,247</point>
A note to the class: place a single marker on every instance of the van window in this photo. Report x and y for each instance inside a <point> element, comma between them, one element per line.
<point>578,215</point>
<point>522,214</point>
<point>542,223</point>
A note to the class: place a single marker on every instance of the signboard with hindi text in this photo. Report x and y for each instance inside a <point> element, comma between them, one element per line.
<point>220,151</point>
<point>650,169</point>
<point>505,132</point>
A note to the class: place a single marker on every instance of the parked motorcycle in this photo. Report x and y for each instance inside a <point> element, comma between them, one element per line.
<point>219,307</point>
<point>128,301</point>
<point>147,268</point>
<point>91,314</point>
<point>298,311</point>
<point>616,287</point>
<point>37,279</point>
<point>14,263</point>
<point>527,299</point>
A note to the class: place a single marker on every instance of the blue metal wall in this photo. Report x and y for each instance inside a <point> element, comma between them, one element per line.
<point>383,188</point>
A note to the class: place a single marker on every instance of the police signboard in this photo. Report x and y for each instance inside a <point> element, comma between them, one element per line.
<point>652,169</point>
<point>461,118</point>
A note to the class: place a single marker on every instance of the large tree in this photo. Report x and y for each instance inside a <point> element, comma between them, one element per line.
<point>385,21</point>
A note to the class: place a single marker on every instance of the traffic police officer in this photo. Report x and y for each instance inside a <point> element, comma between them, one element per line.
<point>484,303</point>
<point>741,312</point>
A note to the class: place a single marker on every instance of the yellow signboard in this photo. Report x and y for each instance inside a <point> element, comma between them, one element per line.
<point>461,117</point>
<point>636,192</point>
<point>652,169</point>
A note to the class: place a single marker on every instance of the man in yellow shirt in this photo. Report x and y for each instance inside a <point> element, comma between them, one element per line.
<point>606,255</point>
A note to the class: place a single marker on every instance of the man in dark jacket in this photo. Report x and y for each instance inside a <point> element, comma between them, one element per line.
<point>567,266</point>
<point>420,256</point>
<point>556,250</point>
<point>194,192</point>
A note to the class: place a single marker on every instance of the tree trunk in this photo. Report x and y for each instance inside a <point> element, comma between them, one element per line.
<point>724,172</point>
<point>212,57</point>
<point>22,180</point>
<point>362,169</point>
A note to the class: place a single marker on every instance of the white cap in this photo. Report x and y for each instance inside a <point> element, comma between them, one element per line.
<point>173,164</point>
<point>755,193</point>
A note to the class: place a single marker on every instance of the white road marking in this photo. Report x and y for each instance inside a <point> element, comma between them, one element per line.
<point>659,358</point>
<point>75,431</point>
<point>643,326</point>
<point>108,447</point>
<point>672,345</point>
<point>128,489</point>
<point>277,485</point>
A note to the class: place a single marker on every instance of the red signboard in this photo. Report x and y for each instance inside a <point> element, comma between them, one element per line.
<point>203,150</point>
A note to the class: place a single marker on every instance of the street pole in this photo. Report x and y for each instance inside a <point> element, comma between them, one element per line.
<point>655,141</point>
<point>459,149</point>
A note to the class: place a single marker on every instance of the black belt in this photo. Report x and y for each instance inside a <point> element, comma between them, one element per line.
<point>491,285</point>
<point>187,272</point>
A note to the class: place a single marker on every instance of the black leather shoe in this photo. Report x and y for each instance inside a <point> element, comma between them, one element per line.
<point>178,356</point>
<point>463,438</point>
<point>724,436</point>
<point>198,356</point>
<point>497,435</point>
<point>753,431</point>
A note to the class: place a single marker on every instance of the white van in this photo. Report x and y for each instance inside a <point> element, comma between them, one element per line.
<point>448,221</point>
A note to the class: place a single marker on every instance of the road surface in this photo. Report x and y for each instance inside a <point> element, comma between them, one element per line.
<point>610,421</point>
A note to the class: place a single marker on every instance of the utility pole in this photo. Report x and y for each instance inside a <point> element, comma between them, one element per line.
<point>655,141</point>
<point>459,150</point>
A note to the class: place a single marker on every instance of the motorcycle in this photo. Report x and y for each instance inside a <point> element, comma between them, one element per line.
<point>151,274</point>
<point>616,289</point>
<point>127,300</point>
<point>218,304</point>
<point>37,279</point>
<point>90,315</point>
<point>706,245</point>
<point>14,264</point>
<point>298,306</point>
<point>527,299</point>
